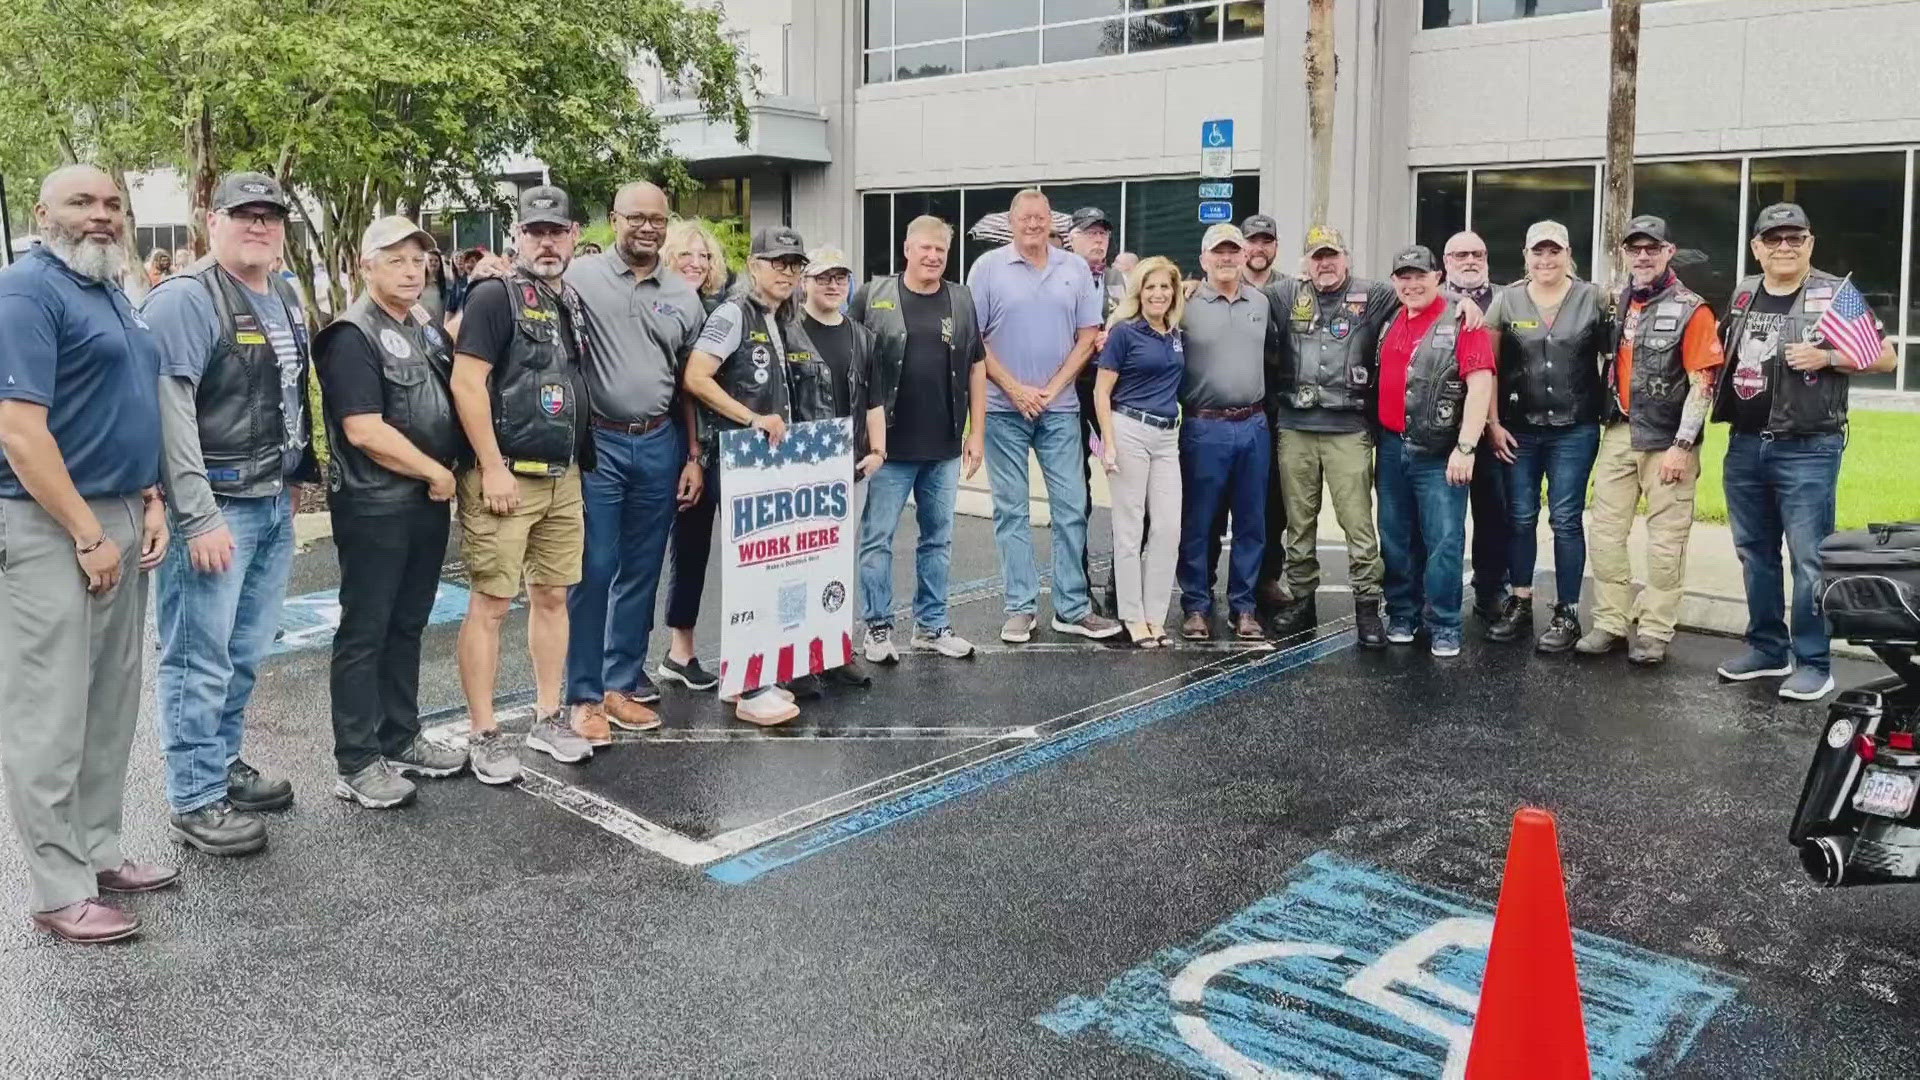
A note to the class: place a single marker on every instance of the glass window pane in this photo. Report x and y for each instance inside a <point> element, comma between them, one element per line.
<point>1701,202</point>
<point>876,233</point>
<point>925,20</point>
<point>1070,10</point>
<point>1913,368</point>
<point>1439,208</point>
<point>1003,51</point>
<point>1850,198</point>
<point>922,61</point>
<point>992,16</point>
<point>880,66</point>
<point>1245,20</point>
<point>1494,10</point>
<point>1913,300</point>
<point>1083,41</point>
<point>879,23</point>
<point>1161,29</point>
<point>979,202</point>
<point>1506,201</point>
<point>1438,13</point>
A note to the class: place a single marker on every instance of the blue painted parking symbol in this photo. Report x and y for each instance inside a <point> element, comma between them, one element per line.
<point>1350,971</point>
<point>310,621</point>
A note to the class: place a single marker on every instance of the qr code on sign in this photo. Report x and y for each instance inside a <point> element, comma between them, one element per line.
<point>793,604</point>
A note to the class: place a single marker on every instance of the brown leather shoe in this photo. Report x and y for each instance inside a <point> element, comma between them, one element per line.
<point>89,922</point>
<point>1246,627</point>
<point>1194,627</point>
<point>590,723</point>
<point>628,714</point>
<point>133,877</point>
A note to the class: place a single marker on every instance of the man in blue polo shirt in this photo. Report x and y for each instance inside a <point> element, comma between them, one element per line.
<point>79,476</point>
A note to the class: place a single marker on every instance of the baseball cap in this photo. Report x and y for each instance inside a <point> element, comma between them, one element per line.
<point>244,188</point>
<point>1542,232</point>
<point>1784,215</point>
<point>1225,232</point>
<point>545,205</point>
<point>1324,238</point>
<point>1088,216</point>
<point>1416,257</point>
<point>1649,226</point>
<point>778,242</point>
<point>1259,225</point>
<point>822,259</point>
<point>388,231</point>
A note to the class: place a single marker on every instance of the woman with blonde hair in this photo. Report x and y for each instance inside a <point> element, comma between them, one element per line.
<point>692,251</point>
<point>1136,395</point>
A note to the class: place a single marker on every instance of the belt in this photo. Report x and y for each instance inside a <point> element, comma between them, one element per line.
<point>626,428</point>
<point>1240,412</point>
<point>546,469</point>
<point>1164,423</point>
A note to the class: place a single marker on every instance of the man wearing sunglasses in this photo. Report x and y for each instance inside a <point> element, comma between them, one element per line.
<point>1785,402</point>
<point>1467,278</point>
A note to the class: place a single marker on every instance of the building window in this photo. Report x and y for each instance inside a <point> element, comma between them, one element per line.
<point>1435,14</point>
<point>1700,201</point>
<point>1440,208</point>
<point>911,39</point>
<point>1507,201</point>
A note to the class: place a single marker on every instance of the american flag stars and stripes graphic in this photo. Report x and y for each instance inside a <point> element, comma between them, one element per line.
<point>806,444</point>
<point>1849,327</point>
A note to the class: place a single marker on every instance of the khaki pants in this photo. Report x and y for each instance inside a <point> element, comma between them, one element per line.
<point>1146,518</point>
<point>1621,477</point>
<point>1344,463</point>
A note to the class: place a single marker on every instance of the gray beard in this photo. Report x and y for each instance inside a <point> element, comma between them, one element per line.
<point>101,262</point>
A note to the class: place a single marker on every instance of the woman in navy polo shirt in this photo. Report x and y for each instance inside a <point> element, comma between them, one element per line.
<point>1136,396</point>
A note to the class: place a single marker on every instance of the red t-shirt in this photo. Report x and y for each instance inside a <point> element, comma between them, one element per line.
<point>1474,350</point>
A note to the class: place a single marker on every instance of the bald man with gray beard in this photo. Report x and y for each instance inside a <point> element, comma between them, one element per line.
<point>1466,266</point>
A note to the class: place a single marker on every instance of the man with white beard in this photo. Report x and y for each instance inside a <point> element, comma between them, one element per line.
<point>1466,266</point>
<point>79,489</point>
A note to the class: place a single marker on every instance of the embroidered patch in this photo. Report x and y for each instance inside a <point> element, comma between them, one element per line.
<point>395,345</point>
<point>1525,324</point>
<point>1668,307</point>
<point>1302,308</point>
<point>1357,298</point>
<point>881,305</point>
<point>1741,301</point>
<point>1815,307</point>
<point>249,337</point>
<point>1817,292</point>
<point>553,398</point>
<point>1340,327</point>
<point>1661,322</point>
<point>758,335</point>
<point>536,314</point>
<point>530,295</point>
<point>946,330</point>
<point>761,356</point>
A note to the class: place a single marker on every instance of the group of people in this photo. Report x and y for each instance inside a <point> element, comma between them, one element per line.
<point>569,408</point>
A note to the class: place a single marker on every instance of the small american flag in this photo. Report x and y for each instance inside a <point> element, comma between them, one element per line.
<point>1849,326</point>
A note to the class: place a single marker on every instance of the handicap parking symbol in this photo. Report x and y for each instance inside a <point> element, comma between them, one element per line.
<point>1350,971</point>
<point>310,621</point>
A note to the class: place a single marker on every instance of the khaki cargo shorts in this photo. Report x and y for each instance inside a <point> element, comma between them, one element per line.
<point>541,542</point>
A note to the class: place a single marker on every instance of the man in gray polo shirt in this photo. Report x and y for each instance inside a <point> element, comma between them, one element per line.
<point>641,320</point>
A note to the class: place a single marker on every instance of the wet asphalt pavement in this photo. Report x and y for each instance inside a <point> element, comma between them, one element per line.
<point>490,932</point>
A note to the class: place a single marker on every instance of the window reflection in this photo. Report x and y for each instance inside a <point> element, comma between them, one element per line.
<point>1700,201</point>
<point>1506,201</point>
<point>1850,198</point>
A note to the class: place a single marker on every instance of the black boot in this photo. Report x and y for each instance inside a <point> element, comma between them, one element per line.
<point>1562,632</point>
<point>1515,620</point>
<point>1366,622</point>
<point>1489,605</point>
<point>1294,617</point>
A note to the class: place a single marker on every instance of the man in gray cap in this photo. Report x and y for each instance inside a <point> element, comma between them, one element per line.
<point>1091,238</point>
<point>1262,234</point>
<point>233,382</point>
<point>384,368</point>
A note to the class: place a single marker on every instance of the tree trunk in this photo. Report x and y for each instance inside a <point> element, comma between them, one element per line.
<point>1622,94</point>
<point>202,172</point>
<point>1322,71</point>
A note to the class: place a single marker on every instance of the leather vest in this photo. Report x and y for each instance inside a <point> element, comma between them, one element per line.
<point>1657,392</point>
<point>1550,375</point>
<point>416,364</point>
<point>1435,391</point>
<point>243,426</point>
<point>889,328</point>
<point>860,393</point>
<point>797,391</point>
<point>1802,404</point>
<point>1329,357</point>
<point>539,395</point>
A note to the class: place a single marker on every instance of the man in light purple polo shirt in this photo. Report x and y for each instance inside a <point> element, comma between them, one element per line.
<point>1039,312</point>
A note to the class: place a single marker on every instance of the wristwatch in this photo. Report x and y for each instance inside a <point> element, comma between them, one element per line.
<point>1465,448</point>
<point>1683,444</point>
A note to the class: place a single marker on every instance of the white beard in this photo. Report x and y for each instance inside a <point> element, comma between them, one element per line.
<point>87,257</point>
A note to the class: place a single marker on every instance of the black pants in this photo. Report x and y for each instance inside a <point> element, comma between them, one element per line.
<point>389,573</point>
<point>1492,524</point>
<point>687,555</point>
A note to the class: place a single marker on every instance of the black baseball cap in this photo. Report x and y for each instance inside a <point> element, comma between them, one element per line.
<point>249,189</point>
<point>778,242</point>
<point>1089,216</point>
<point>1784,215</point>
<point>1259,225</point>
<point>1417,257</point>
<point>545,205</point>
<point>1649,226</point>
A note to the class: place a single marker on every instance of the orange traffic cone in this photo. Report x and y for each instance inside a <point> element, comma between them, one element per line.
<point>1529,1025</point>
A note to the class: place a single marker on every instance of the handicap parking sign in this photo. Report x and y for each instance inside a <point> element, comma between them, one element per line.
<point>1352,971</point>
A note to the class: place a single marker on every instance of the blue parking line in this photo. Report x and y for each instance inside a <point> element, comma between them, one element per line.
<point>745,867</point>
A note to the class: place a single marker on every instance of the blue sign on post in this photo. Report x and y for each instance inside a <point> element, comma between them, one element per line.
<point>1215,212</point>
<point>1216,191</point>
<point>1216,134</point>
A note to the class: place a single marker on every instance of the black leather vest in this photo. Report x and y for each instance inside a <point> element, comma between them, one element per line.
<point>889,328</point>
<point>799,390</point>
<point>243,427</point>
<point>1329,356</point>
<point>1550,375</point>
<point>1657,394</point>
<point>859,391</point>
<point>539,393</point>
<point>1802,404</point>
<point>416,364</point>
<point>1436,393</point>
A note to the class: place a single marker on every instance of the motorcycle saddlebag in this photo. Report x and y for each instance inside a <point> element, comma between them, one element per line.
<point>1870,583</point>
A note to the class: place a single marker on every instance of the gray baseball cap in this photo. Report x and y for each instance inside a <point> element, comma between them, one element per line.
<point>247,189</point>
<point>1416,257</point>
<point>1784,215</point>
<point>545,205</point>
<point>1260,225</point>
<point>1088,217</point>
<point>388,231</point>
<point>778,242</point>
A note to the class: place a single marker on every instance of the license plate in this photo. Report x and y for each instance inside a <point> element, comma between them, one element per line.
<point>1886,794</point>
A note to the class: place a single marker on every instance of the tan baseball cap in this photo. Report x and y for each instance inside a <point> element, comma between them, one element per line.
<point>825,258</point>
<point>1544,232</point>
<point>1324,238</point>
<point>1224,233</point>
<point>388,231</point>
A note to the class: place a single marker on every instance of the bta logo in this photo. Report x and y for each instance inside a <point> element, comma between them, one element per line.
<point>771,509</point>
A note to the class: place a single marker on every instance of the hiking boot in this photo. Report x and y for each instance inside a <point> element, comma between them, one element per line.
<point>1443,643</point>
<point>1562,631</point>
<point>1246,627</point>
<point>219,829</point>
<point>1090,625</point>
<point>880,647</point>
<point>90,922</point>
<point>554,737</point>
<point>1017,630</point>
<point>376,787</point>
<point>1296,617</point>
<point>1807,684</point>
<point>690,674</point>
<point>1366,623</point>
<point>1598,642</point>
<point>1489,605</point>
<point>589,721</point>
<point>424,758</point>
<point>248,791</point>
<point>1514,621</point>
<point>943,641</point>
<point>766,709</point>
<point>1645,650</point>
<point>495,761</point>
<point>1195,626</point>
<point>1754,665</point>
<point>625,712</point>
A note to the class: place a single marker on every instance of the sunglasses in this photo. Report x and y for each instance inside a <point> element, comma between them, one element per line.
<point>1481,253</point>
<point>1793,241</point>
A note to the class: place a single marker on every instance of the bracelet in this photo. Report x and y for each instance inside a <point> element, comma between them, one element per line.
<point>93,547</point>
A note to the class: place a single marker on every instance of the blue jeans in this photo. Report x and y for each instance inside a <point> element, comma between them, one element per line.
<point>1564,458</point>
<point>629,506</point>
<point>1223,463</point>
<point>1783,488</point>
<point>1423,534</point>
<point>214,628</point>
<point>933,485</point>
<point>1054,438</point>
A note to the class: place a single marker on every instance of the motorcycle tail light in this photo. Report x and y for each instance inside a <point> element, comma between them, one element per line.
<point>1864,746</point>
<point>1900,740</point>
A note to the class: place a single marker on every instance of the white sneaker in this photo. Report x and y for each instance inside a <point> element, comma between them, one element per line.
<point>775,690</point>
<point>766,709</point>
<point>880,646</point>
<point>943,641</point>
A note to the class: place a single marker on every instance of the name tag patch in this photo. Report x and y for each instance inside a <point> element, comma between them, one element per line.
<point>1668,307</point>
<point>1526,324</point>
<point>245,337</point>
<point>882,305</point>
<point>1665,323</point>
<point>1820,292</point>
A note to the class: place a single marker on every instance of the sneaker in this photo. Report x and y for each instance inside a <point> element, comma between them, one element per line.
<point>690,674</point>
<point>589,721</point>
<point>1807,684</point>
<point>847,677</point>
<point>644,691</point>
<point>943,641</point>
<point>1646,651</point>
<point>624,711</point>
<point>1598,642</point>
<point>554,737</point>
<point>1090,625</point>
<point>376,787</point>
<point>1366,622</point>
<point>880,646</point>
<point>219,829</point>
<point>1752,665</point>
<point>1514,621</point>
<point>776,690</point>
<point>423,758</point>
<point>1444,643</point>
<point>766,710</point>
<point>805,686</point>
<point>1561,632</point>
<point>1400,631</point>
<point>252,793</point>
<point>494,761</point>
<point>1017,630</point>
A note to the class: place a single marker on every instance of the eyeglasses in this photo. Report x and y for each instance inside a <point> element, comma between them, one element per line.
<point>786,267</point>
<point>251,218</point>
<point>1479,254</point>
<point>657,221</point>
<point>1793,241</point>
<point>833,279</point>
<point>1643,249</point>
